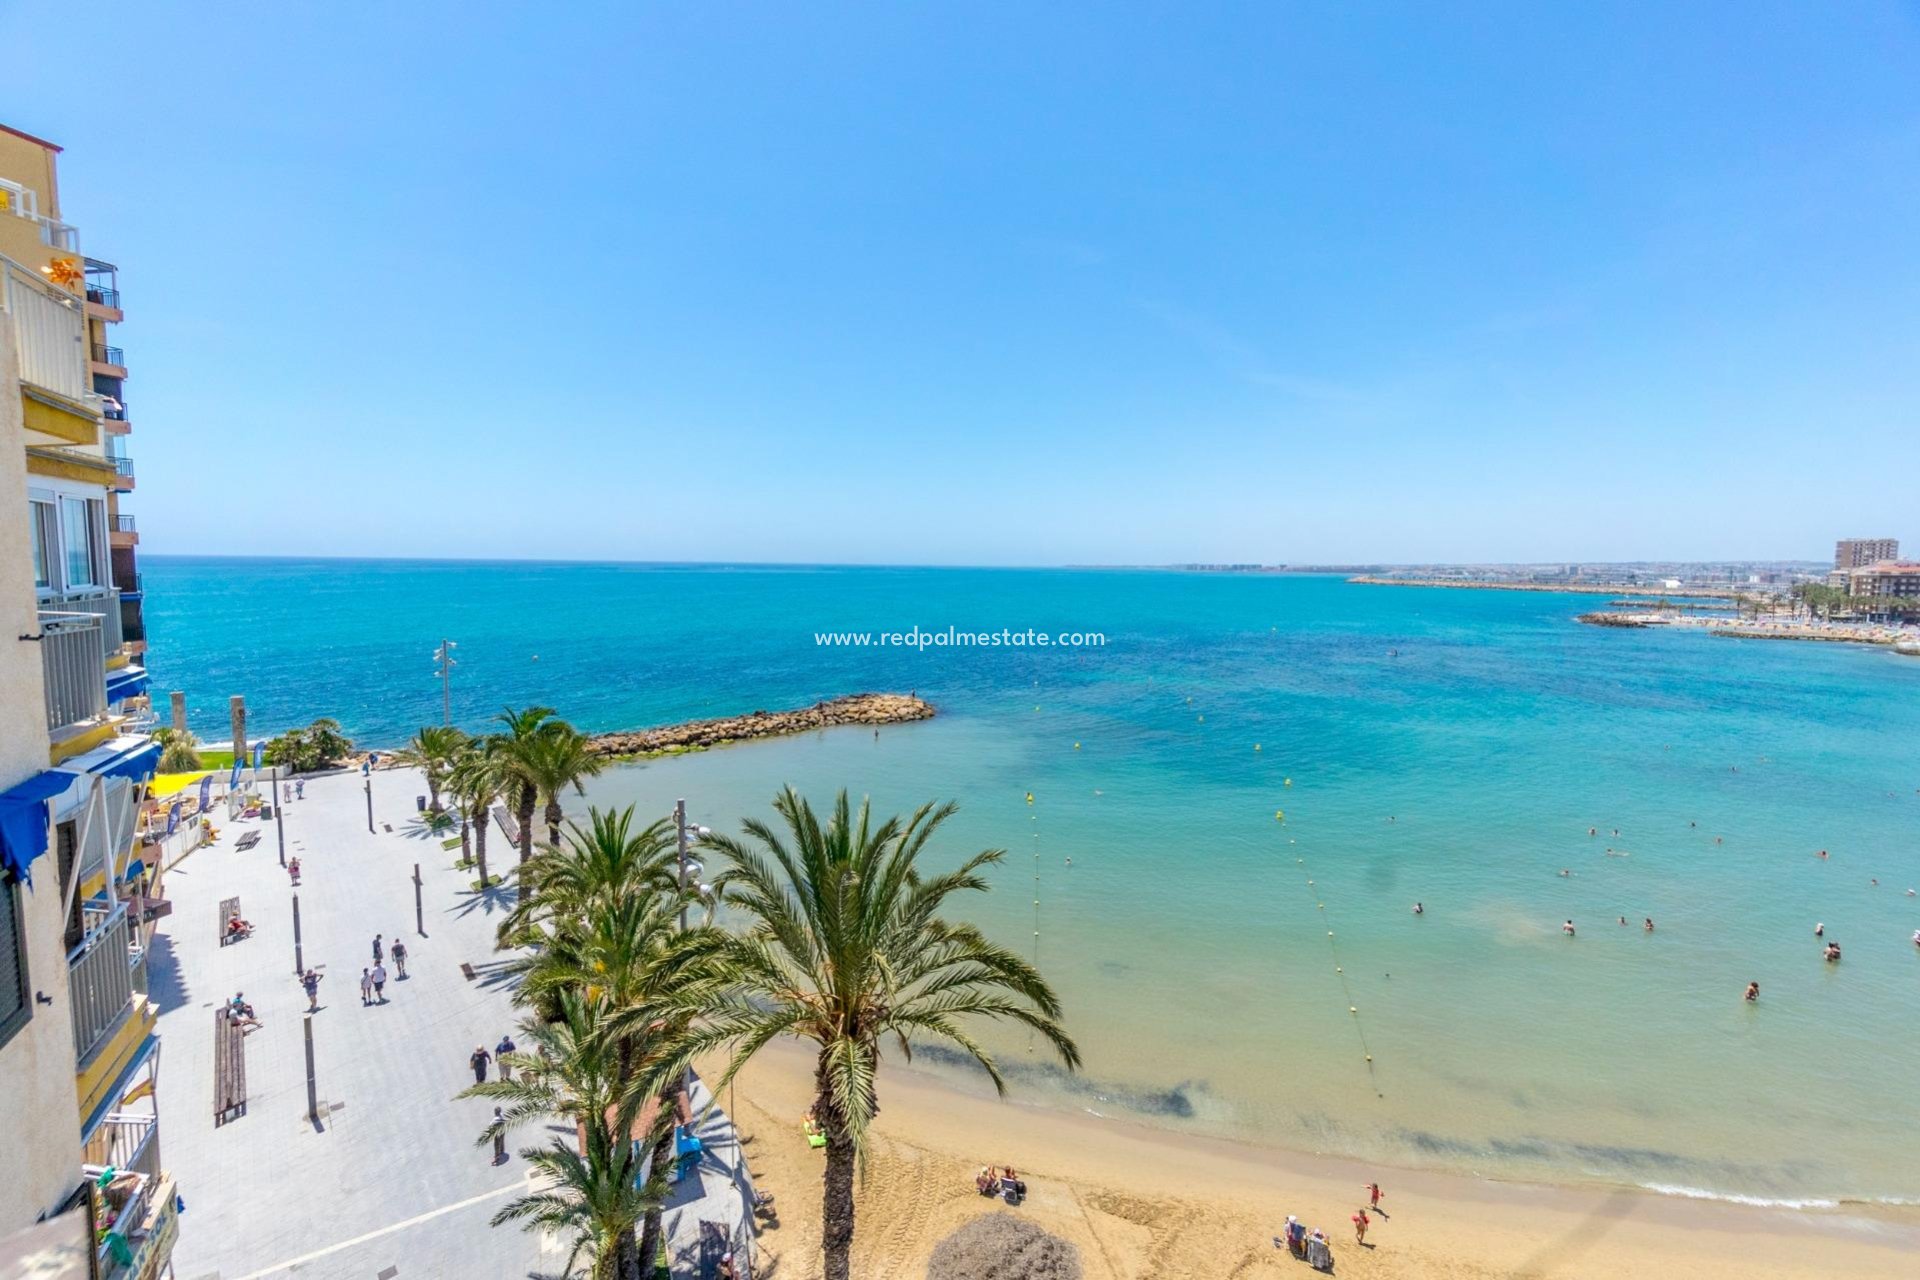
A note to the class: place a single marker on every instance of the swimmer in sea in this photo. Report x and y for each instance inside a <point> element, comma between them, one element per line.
<point>1592,831</point>
<point>1565,872</point>
<point>1753,992</point>
<point>1419,909</point>
<point>1833,951</point>
<point>1820,930</point>
<point>1567,928</point>
<point>1717,840</point>
<point>1623,919</point>
<point>1648,926</point>
<point>1822,854</point>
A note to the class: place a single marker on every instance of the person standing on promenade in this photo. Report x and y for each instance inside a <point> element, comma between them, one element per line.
<point>500,1052</point>
<point>400,956</point>
<point>366,987</point>
<point>499,1127</point>
<point>379,976</point>
<point>479,1062</point>
<point>310,980</point>
<point>299,788</point>
<point>378,954</point>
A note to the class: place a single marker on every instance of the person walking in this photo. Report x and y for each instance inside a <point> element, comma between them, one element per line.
<point>499,1136</point>
<point>378,954</point>
<point>400,957</point>
<point>310,980</point>
<point>366,987</point>
<point>500,1052</point>
<point>479,1062</point>
<point>1373,1198</point>
<point>379,977</point>
<point>293,871</point>
<point>1360,1223</point>
<point>299,788</point>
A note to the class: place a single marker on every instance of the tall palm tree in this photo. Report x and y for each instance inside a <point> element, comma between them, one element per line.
<point>475,779</point>
<point>516,745</point>
<point>593,1194</point>
<point>433,750</point>
<point>846,945</point>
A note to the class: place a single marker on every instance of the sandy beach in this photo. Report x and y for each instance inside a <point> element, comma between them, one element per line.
<point>1141,1203</point>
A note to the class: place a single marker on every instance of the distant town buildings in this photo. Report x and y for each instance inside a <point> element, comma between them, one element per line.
<point>1857,553</point>
<point>1885,579</point>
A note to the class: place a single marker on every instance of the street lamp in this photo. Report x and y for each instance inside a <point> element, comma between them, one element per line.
<point>443,657</point>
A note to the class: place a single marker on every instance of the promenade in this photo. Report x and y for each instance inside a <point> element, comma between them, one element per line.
<point>391,1182</point>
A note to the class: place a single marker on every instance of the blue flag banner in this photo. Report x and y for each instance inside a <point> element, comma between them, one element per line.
<point>234,781</point>
<point>173,817</point>
<point>206,791</point>
<point>259,750</point>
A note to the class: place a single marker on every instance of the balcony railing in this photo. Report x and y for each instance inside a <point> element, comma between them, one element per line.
<point>124,524</point>
<point>100,978</point>
<point>99,601</point>
<point>122,466</point>
<point>127,1141</point>
<point>109,355</point>
<point>73,659</point>
<point>101,295</point>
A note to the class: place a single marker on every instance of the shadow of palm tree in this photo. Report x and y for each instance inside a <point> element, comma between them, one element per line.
<point>166,986</point>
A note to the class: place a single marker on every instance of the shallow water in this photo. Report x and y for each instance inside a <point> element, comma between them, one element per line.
<point>1190,935</point>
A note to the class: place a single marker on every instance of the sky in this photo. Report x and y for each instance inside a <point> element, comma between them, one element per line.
<point>1002,284</point>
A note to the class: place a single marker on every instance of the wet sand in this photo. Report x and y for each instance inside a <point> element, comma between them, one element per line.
<point>1141,1203</point>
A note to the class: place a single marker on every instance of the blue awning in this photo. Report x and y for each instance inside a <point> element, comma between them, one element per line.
<point>110,1100</point>
<point>126,683</point>
<point>132,756</point>
<point>23,821</point>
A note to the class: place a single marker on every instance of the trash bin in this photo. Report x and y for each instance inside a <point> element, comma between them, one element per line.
<point>266,810</point>
<point>419,804</point>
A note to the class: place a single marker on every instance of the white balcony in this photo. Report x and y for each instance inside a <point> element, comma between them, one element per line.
<point>49,331</point>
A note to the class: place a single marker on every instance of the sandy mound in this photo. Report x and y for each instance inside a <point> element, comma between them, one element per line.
<point>1001,1246</point>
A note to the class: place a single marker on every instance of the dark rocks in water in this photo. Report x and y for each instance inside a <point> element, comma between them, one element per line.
<point>1611,620</point>
<point>1003,1246</point>
<point>859,708</point>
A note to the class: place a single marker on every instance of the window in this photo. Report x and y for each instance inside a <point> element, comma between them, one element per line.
<point>76,535</point>
<point>16,1001</point>
<point>45,539</point>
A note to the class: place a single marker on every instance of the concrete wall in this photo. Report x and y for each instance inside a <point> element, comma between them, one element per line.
<point>41,1164</point>
<point>32,166</point>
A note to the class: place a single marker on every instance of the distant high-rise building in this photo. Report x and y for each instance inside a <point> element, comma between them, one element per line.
<point>1856,553</point>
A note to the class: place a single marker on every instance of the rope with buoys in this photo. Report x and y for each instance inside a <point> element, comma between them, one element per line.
<point>1339,965</point>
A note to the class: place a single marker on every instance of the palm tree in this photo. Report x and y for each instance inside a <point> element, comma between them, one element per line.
<point>475,779</point>
<point>558,758</point>
<point>178,751</point>
<point>846,946</point>
<point>597,914</point>
<point>516,748</point>
<point>593,1194</point>
<point>433,750</point>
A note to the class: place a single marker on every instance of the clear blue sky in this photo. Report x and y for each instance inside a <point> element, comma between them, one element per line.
<point>1003,283</point>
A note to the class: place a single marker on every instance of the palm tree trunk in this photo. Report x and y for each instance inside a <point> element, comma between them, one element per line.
<point>528,799</point>
<point>480,845</point>
<point>554,817</point>
<point>836,1198</point>
<point>466,839</point>
<point>433,791</point>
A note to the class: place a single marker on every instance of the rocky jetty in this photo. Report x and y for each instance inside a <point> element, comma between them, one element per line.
<point>1613,620</point>
<point>694,735</point>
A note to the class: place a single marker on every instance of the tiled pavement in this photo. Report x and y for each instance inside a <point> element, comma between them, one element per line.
<point>391,1183</point>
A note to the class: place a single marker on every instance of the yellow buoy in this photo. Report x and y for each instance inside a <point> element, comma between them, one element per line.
<point>1279,815</point>
<point>1287,783</point>
<point>1076,746</point>
<point>1029,797</point>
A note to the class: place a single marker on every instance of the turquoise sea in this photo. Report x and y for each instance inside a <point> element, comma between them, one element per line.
<point>1226,971</point>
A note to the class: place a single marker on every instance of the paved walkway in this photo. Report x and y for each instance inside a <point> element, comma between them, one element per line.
<point>391,1183</point>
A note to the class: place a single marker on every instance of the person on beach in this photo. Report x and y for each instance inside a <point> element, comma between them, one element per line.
<point>1360,1224</point>
<point>400,957</point>
<point>1373,1197</point>
<point>310,981</point>
<point>366,987</point>
<point>478,1061</point>
<point>500,1052</point>
<point>379,976</point>
<point>1753,992</point>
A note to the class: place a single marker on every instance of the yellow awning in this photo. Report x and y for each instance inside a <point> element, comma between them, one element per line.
<point>172,784</point>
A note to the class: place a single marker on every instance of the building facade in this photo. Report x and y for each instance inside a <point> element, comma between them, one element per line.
<point>1857,553</point>
<point>79,886</point>
<point>1888,579</point>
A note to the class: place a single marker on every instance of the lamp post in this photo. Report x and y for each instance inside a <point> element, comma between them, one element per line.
<point>683,829</point>
<point>443,658</point>
<point>366,771</point>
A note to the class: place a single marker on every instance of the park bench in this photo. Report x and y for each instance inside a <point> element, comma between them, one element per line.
<point>248,840</point>
<point>229,908</point>
<point>229,1067</point>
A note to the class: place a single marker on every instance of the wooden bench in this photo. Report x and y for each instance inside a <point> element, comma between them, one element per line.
<point>229,908</point>
<point>248,840</point>
<point>229,1067</point>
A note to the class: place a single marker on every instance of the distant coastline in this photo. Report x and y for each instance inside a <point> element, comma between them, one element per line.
<point>697,735</point>
<point>1568,588</point>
